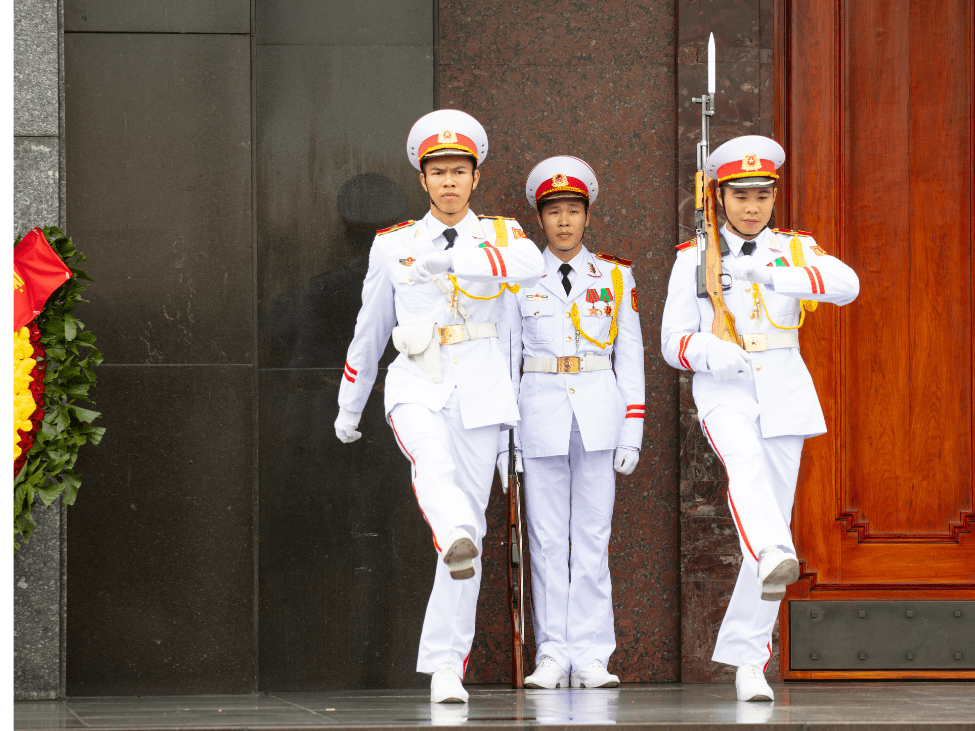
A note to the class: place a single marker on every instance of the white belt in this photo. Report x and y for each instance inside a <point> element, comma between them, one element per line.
<point>568,364</point>
<point>468,331</point>
<point>757,342</point>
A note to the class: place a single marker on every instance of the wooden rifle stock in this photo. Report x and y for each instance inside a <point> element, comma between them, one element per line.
<point>724,322</point>
<point>516,582</point>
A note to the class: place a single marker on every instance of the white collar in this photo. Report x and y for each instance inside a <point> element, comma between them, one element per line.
<point>552,262</point>
<point>735,241</point>
<point>436,227</point>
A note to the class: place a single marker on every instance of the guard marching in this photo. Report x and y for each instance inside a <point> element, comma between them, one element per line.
<point>434,286</point>
<point>577,335</point>
<point>757,403</point>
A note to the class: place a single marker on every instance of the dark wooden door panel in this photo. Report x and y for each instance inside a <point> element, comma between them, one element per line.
<point>874,108</point>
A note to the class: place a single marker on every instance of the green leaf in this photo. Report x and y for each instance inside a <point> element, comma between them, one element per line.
<point>70,328</point>
<point>84,414</point>
<point>51,493</point>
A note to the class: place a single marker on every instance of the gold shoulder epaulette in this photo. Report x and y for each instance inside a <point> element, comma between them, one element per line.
<point>687,245</point>
<point>503,218</point>
<point>614,259</point>
<point>789,231</point>
<point>397,227</point>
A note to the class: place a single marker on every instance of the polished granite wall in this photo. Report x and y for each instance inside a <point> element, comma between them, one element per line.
<point>594,80</point>
<point>160,541</point>
<point>229,162</point>
<point>710,555</point>
<point>37,148</point>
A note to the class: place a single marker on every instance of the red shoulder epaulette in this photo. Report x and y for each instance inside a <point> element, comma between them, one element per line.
<point>687,245</point>
<point>615,259</point>
<point>790,231</point>
<point>397,227</point>
<point>503,218</point>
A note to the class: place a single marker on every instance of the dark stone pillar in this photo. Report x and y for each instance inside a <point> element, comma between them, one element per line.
<point>594,80</point>
<point>710,556</point>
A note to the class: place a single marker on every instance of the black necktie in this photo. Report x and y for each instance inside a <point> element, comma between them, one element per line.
<point>748,247</point>
<point>565,269</point>
<point>449,234</point>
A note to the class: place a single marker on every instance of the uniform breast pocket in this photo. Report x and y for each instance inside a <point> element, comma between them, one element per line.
<point>538,321</point>
<point>784,311</point>
<point>415,297</point>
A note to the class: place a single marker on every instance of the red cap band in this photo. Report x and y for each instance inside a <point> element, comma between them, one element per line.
<point>561,184</point>
<point>448,140</point>
<point>751,166</point>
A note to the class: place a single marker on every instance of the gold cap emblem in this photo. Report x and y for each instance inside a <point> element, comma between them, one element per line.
<point>751,163</point>
<point>447,137</point>
<point>559,180</point>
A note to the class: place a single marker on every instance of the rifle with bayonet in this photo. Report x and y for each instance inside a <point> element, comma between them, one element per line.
<point>706,220</point>
<point>516,571</point>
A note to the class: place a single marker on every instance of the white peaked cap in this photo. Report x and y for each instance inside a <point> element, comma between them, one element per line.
<point>746,162</point>
<point>561,177</point>
<point>446,132</point>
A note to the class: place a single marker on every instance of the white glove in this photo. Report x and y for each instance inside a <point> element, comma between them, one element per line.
<point>345,425</point>
<point>503,467</point>
<point>727,360</point>
<point>423,269</point>
<point>625,460</point>
<point>746,269</point>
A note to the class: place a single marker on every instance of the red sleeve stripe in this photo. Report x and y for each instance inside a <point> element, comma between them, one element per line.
<point>350,369</point>
<point>819,278</point>
<point>490,256</point>
<point>350,377</point>
<point>497,253</point>
<point>636,407</point>
<point>684,342</point>
<point>817,286</point>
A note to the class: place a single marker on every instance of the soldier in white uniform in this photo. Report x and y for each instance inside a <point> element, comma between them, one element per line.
<point>434,285</point>
<point>576,335</point>
<point>758,404</point>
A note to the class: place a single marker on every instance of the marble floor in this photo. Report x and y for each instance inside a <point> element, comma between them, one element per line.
<point>803,707</point>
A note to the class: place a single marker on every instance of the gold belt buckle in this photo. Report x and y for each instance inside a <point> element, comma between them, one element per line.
<point>568,364</point>
<point>451,334</point>
<point>755,342</point>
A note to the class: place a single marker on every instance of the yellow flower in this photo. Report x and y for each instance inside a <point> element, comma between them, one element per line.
<point>24,404</point>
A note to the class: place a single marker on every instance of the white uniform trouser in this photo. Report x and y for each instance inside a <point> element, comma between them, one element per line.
<point>452,471</point>
<point>762,474</point>
<point>570,498</point>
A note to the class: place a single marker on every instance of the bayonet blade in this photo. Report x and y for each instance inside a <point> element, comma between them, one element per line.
<point>711,64</point>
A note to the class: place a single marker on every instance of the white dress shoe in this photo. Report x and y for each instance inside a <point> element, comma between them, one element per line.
<point>594,675</point>
<point>548,674</point>
<point>445,687</point>
<point>460,554</point>
<point>750,684</point>
<point>776,570</point>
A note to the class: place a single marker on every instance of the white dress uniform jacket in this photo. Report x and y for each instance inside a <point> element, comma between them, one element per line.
<point>786,396</point>
<point>483,261</point>
<point>608,405</point>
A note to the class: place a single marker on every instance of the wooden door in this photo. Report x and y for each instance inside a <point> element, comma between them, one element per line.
<point>874,106</point>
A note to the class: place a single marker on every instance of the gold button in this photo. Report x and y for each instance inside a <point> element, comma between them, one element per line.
<point>536,313</point>
<point>572,390</point>
<point>568,338</point>
<point>455,360</point>
<point>568,314</point>
<point>758,368</point>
